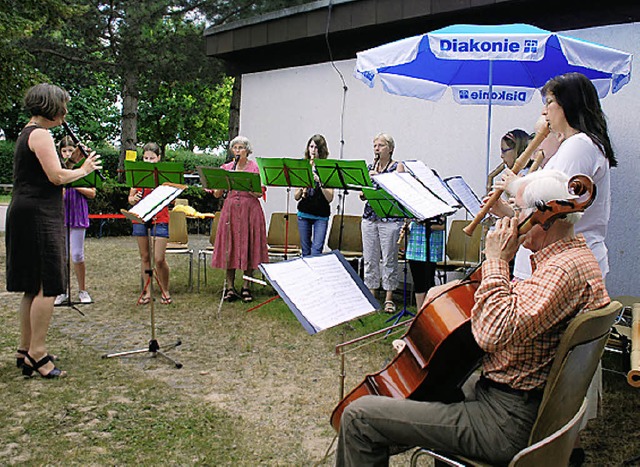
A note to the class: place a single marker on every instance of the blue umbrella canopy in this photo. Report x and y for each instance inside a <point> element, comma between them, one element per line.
<point>514,60</point>
<point>501,65</point>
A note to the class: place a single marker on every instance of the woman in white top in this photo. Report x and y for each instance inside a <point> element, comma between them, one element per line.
<point>572,110</point>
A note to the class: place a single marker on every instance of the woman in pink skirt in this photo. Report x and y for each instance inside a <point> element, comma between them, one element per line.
<point>241,239</point>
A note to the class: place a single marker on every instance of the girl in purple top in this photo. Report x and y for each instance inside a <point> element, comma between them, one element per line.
<point>76,217</point>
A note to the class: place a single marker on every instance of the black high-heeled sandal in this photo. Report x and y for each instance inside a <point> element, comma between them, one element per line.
<point>20,360</point>
<point>27,370</point>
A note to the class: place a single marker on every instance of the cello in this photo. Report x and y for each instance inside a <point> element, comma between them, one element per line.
<point>440,352</point>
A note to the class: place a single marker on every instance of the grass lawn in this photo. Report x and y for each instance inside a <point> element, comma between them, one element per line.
<point>255,388</point>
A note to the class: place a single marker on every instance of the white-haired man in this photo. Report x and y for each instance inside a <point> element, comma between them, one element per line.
<point>517,324</point>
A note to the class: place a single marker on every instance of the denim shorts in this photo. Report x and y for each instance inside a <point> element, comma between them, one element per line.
<point>157,230</point>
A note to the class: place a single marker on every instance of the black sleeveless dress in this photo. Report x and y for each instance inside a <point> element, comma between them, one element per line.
<point>34,226</point>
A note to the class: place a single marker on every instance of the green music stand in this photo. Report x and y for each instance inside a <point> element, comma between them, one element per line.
<point>280,171</point>
<point>92,180</point>
<point>384,204</point>
<point>343,174</point>
<point>287,172</point>
<point>149,175</point>
<point>214,178</point>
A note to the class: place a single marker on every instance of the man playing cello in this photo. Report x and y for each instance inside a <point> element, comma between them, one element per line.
<point>517,324</point>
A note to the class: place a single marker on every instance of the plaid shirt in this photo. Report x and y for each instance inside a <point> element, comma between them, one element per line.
<point>519,324</point>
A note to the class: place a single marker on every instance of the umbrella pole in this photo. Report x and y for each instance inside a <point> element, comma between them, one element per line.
<point>487,168</point>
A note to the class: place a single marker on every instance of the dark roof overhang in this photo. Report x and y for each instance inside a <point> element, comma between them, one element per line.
<point>298,36</point>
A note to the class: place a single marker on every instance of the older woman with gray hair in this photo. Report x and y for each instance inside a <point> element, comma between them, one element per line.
<point>380,235</point>
<point>241,238</point>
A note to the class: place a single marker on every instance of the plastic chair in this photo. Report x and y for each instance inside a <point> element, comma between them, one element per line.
<point>554,431</point>
<point>179,240</point>
<point>277,234</point>
<point>462,251</point>
<point>351,243</point>
<point>208,251</point>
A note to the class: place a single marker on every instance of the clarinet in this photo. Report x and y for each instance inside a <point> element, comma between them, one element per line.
<point>82,149</point>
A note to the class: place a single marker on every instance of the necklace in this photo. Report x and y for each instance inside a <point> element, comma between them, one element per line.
<point>385,167</point>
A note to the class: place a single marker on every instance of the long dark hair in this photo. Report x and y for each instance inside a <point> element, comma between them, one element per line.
<point>579,100</point>
<point>321,144</point>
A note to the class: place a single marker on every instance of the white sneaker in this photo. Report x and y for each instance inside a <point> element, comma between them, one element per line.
<point>84,297</point>
<point>60,299</point>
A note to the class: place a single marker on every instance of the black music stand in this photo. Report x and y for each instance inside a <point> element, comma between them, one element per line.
<point>289,173</point>
<point>91,180</point>
<point>145,211</point>
<point>385,206</point>
<point>214,178</point>
<point>344,175</point>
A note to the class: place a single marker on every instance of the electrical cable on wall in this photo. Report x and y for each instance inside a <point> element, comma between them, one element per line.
<point>344,84</point>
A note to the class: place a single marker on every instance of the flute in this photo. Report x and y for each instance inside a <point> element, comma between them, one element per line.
<point>82,149</point>
<point>520,163</point>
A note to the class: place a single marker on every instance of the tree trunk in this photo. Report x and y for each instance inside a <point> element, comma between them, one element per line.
<point>234,107</point>
<point>130,95</point>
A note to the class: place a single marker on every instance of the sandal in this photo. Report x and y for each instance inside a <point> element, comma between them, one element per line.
<point>245,293</point>
<point>27,370</point>
<point>389,307</point>
<point>166,300</point>
<point>20,360</point>
<point>144,300</point>
<point>230,295</point>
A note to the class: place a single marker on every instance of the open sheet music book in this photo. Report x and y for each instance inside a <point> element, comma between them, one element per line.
<point>153,203</point>
<point>464,193</point>
<point>432,182</point>
<point>321,291</point>
<point>413,195</point>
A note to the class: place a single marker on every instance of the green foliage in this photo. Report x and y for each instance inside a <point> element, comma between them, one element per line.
<point>110,199</point>
<point>6,161</point>
<point>187,114</point>
<point>191,160</point>
<point>19,22</point>
<point>201,200</point>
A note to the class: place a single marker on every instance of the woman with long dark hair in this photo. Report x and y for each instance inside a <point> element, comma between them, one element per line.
<point>572,110</point>
<point>313,202</point>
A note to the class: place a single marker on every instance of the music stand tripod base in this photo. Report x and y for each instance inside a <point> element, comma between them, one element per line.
<point>153,349</point>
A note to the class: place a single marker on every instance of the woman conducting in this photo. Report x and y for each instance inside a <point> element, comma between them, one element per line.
<point>34,227</point>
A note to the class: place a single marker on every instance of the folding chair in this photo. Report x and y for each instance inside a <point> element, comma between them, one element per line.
<point>462,252</point>
<point>278,236</point>
<point>208,251</point>
<point>350,245</point>
<point>179,240</point>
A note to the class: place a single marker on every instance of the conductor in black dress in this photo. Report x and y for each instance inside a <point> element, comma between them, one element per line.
<point>34,225</point>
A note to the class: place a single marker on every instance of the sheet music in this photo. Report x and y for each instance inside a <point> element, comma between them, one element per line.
<point>432,181</point>
<point>464,193</point>
<point>334,298</point>
<point>422,203</point>
<point>153,203</point>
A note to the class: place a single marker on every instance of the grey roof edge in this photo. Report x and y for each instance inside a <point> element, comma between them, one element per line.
<point>273,15</point>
